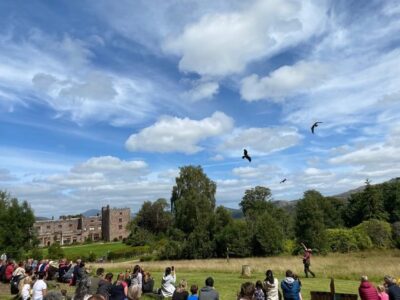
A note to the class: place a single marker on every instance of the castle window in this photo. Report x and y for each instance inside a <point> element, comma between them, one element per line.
<point>120,220</point>
<point>120,213</point>
<point>91,228</point>
<point>120,237</point>
<point>70,225</point>
<point>60,226</point>
<point>91,221</point>
<point>48,227</point>
<point>120,226</point>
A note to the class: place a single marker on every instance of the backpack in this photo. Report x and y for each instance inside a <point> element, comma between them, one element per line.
<point>14,284</point>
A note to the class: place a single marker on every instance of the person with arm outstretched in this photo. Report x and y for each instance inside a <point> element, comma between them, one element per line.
<point>307,260</point>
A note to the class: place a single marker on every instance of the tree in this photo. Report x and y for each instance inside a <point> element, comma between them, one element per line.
<point>373,203</point>
<point>154,217</point>
<point>55,251</point>
<point>16,226</point>
<point>309,221</point>
<point>193,199</point>
<point>255,201</point>
<point>236,238</point>
<point>333,211</point>
<point>222,218</point>
<point>391,199</point>
<point>269,234</point>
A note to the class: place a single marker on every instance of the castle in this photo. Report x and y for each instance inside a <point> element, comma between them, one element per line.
<point>111,225</point>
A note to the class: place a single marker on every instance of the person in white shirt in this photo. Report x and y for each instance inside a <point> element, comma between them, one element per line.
<point>167,282</point>
<point>39,289</point>
<point>25,291</point>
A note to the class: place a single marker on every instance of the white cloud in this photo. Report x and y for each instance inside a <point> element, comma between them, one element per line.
<point>260,171</point>
<point>217,157</point>
<point>202,91</point>
<point>284,81</point>
<point>224,43</point>
<point>261,140</point>
<point>172,134</point>
<point>5,175</point>
<point>111,164</point>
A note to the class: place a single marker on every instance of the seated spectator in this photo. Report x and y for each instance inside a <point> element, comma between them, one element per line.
<point>181,293</point>
<point>167,282</point>
<point>247,291</point>
<point>119,290</point>
<point>39,289</point>
<point>208,292</point>
<point>148,283</point>
<point>382,293</point>
<point>20,270</point>
<point>53,295</point>
<point>97,297</point>
<point>135,290</point>
<point>366,290</point>
<point>63,268</point>
<point>95,280</point>
<point>290,287</point>
<point>82,286</point>
<point>193,291</point>
<point>26,287</point>
<point>259,293</point>
<point>9,271</point>
<point>393,289</point>
<point>271,286</point>
<point>105,284</point>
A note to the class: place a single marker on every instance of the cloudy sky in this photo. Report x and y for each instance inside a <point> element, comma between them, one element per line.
<point>101,103</point>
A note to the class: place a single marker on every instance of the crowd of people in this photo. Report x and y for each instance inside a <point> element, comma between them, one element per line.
<point>28,282</point>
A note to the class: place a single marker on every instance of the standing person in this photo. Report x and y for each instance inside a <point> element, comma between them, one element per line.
<point>193,291</point>
<point>247,291</point>
<point>9,271</point>
<point>167,282</point>
<point>181,293</point>
<point>307,260</point>
<point>208,292</point>
<point>119,290</point>
<point>382,293</point>
<point>366,290</point>
<point>271,285</point>
<point>39,289</point>
<point>392,288</point>
<point>290,287</point>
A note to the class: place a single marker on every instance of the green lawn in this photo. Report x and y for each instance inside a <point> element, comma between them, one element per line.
<point>100,249</point>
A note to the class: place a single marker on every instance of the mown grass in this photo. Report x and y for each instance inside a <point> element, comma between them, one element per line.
<point>99,249</point>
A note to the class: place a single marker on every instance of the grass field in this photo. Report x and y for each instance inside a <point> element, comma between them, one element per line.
<point>345,268</point>
<point>100,249</point>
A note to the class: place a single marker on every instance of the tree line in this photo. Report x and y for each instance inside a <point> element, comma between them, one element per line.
<point>191,226</point>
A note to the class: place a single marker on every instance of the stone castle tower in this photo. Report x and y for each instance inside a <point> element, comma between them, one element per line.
<point>114,222</point>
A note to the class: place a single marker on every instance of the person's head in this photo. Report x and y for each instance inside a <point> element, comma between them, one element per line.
<point>269,276</point>
<point>289,273</point>
<point>78,261</point>
<point>183,284</point>
<point>364,278</point>
<point>20,264</point>
<point>136,269</point>
<point>121,277</point>
<point>210,282</point>
<point>146,276</point>
<point>168,271</point>
<point>388,279</point>
<point>82,264</point>
<point>259,284</point>
<point>97,297</point>
<point>100,272</point>
<point>109,277</point>
<point>53,295</point>
<point>309,250</point>
<point>41,275</point>
<point>380,288</point>
<point>247,290</point>
<point>193,289</point>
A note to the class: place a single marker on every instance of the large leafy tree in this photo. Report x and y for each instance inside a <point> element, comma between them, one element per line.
<point>269,234</point>
<point>16,226</point>
<point>154,216</point>
<point>255,201</point>
<point>193,199</point>
<point>309,221</point>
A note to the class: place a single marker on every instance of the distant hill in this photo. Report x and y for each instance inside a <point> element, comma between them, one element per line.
<point>236,213</point>
<point>91,213</point>
<point>42,219</point>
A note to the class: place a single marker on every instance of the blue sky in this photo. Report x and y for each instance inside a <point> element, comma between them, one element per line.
<point>102,103</point>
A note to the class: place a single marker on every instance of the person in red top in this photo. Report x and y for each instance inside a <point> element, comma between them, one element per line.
<point>307,261</point>
<point>366,290</point>
<point>9,270</point>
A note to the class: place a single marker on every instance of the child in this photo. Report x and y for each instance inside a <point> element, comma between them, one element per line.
<point>193,290</point>
<point>259,293</point>
<point>382,293</point>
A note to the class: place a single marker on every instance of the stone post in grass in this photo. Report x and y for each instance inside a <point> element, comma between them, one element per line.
<point>246,271</point>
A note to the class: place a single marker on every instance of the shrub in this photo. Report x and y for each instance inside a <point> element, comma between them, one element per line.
<point>36,253</point>
<point>289,246</point>
<point>396,234</point>
<point>171,250</point>
<point>55,251</point>
<point>92,257</point>
<point>380,232</point>
<point>341,240</point>
<point>128,253</point>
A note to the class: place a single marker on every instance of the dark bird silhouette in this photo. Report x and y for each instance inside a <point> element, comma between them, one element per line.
<point>283,180</point>
<point>246,155</point>
<point>314,125</point>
